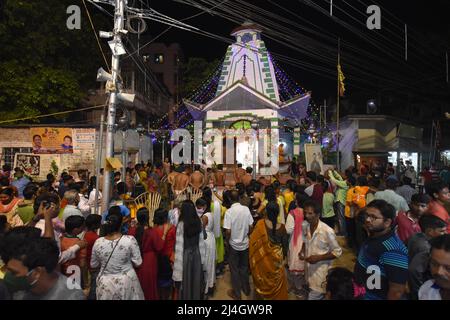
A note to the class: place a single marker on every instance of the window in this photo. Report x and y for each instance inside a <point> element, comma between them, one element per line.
<point>159,58</point>
<point>9,153</point>
<point>247,37</point>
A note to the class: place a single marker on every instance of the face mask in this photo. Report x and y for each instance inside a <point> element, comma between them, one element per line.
<point>14,283</point>
<point>200,211</point>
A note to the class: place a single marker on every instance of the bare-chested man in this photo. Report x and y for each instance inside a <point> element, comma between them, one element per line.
<point>171,176</point>
<point>283,178</point>
<point>166,166</point>
<point>247,177</point>
<point>238,173</point>
<point>197,179</point>
<point>219,176</point>
<point>209,178</point>
<point>181,181</point>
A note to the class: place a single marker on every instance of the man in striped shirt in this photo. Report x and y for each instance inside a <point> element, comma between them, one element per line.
<point>382,266</point>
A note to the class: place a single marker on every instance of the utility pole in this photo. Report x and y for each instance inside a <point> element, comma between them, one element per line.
<point>115,70</point>
<point>99,161</point>
<point>124,154</point>
<point>338,160</point>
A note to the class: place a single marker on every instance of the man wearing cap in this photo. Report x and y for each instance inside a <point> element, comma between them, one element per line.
<point>391,197</point>
<point>20,181</point>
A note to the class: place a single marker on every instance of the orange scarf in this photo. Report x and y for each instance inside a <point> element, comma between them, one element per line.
<point>6,208</point>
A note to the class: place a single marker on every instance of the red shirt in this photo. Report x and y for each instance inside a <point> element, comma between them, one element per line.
<point>427,176</point>
<point>66,242</point>
<point>169,244</point>
<point>90,237</point>
<point>406,226</point>
<point>438,210</point>
<point>317,194</point>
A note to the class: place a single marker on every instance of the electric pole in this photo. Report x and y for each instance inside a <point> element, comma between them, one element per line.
<point>117,48</point>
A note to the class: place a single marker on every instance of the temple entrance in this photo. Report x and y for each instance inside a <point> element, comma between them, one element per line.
<point>244,147</point>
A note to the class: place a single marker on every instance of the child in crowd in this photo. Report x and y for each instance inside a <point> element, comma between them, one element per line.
<point>340,286</point>
<point>93,222</point>
<point>74,226</point>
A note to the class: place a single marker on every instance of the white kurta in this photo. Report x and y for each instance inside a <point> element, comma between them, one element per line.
<point>210,253</point>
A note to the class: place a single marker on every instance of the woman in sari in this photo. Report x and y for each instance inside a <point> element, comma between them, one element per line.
<point>268,243</point>
<point>167,255</point>
<point>151,244</point>
<point>8,206</point>
<point>289,194</point>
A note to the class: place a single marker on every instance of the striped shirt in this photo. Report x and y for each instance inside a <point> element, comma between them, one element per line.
<point>387,255</point>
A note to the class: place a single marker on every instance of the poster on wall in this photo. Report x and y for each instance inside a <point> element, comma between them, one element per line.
<point>29,163</point>
<point>313,157</point>
<point>83,139</point>
<point>51,140</point>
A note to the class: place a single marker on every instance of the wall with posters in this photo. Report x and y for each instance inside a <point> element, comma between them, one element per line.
<point>49,140</point>
<point>36,166</point>
<point>47,148</point>
<point>82,154</point>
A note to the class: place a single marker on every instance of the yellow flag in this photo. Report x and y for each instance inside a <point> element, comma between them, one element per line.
<point>341,81</point>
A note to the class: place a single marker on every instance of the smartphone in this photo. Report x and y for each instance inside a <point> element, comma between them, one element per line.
<point>47,205</point>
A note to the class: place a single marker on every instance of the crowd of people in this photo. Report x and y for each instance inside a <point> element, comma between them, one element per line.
<point>283,232</point>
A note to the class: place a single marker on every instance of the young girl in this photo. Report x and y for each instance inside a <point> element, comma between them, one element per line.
<point>341,286</point>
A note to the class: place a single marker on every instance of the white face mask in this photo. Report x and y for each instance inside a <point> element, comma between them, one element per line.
<point>200,211</point>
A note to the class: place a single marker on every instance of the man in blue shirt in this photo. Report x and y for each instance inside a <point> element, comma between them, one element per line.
<point>382,265</point>
<point>124,211</point>
<point>21,182</point>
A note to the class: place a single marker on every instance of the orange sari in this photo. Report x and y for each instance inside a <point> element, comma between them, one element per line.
<point>266,265</point>
<point>10,211</point>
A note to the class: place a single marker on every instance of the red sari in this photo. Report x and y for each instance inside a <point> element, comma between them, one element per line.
<point>152,244</point>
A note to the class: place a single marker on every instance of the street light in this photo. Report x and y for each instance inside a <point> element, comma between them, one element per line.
<point>312,130</point>
<point>371,106</point>
<point>255,141</point>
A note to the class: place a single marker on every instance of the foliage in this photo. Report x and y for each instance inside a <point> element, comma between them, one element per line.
<point>54,168</point>
<point>44,67</point>
<point>195,72</point>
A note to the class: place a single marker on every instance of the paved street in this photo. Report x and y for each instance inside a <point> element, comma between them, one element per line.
<point>347,260</point>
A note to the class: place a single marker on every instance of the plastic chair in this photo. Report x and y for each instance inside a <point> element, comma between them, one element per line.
<point>154,200</point>
<point>195,194</point>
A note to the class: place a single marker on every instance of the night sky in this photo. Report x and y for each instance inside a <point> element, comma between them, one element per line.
<point>425,19</point>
